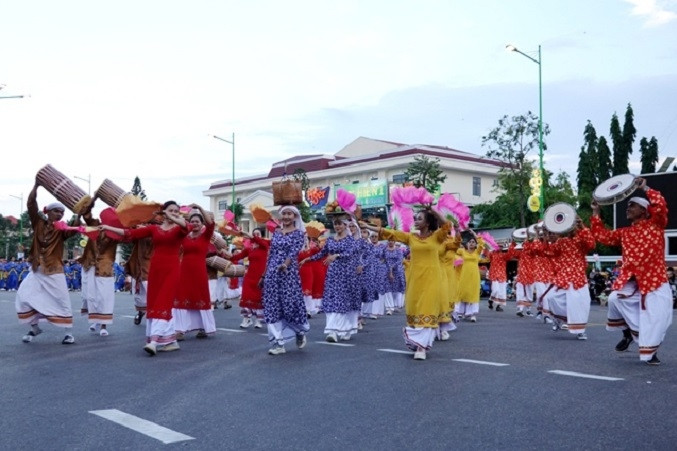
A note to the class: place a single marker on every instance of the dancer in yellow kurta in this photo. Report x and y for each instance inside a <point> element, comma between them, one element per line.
<point>449,284</point>
<point>424,279</point>
<point>468,304</point>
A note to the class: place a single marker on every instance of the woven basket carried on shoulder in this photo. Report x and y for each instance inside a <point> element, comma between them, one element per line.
<point>287,192</point>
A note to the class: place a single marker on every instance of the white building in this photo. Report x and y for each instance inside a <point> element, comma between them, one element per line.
<point>368,168</point>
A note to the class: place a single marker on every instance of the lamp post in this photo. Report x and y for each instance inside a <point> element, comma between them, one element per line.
<point>88,180</point>
<point>21,222</point>
<point>232,183</point>
<point>512,48</point>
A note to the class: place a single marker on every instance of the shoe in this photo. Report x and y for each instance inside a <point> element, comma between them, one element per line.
<point>555,327</point>
<point>301,341</point>
<point>547,320</point>
<point>444,336</point>
<point>654,360</point>
<point>582,336</point>
<point>92,327</point>
<point>201,334</point>
<point>257,324</point>
<point>150,348</point>
<point>473,319</point>
<point>565,327</point>
<point>624,344</point>
<point>360,325</point>
<point>276,349</point>
<point>103,332</point>
<point>34,332</point>
<point>138,318</point>
<point>373,317</point>
<point>389,312</point>
<point>226,305</point>
<point>529,313</point>
<point>520,314</point>
<point>419,354</point>
<point>499,308</point>
<point>491,305</point>
<point>180,336</point>
<point>246,322</point>
<point>539,315</point>
<point>170,347</point>
<point>332,338</point>
<point>345,338</point>
<point>68,340</point>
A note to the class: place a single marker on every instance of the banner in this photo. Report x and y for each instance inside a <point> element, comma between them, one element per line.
<point>369,194</point>
<point>317,197</point>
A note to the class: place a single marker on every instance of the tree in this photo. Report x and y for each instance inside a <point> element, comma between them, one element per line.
<point>629,133</point>
<point>604,165</point>
<point>137,190</point>
<point>425,172</point>
<point>620,163</point>
<point>648,151</point>
<point>511,143</point>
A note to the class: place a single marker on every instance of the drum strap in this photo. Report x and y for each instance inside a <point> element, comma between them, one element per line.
<point>540,300</point>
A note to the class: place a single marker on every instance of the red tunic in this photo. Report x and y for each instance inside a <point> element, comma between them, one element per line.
<point>542,267</point>
<point>525,268</point>
<point>258,256</point>
<point>643,246</point>
<point>193,290</point>
<point>568,260</point>
<point>306,271</point>
<point>163,275</point>
<point>499,263</point>
<point>319,275</point>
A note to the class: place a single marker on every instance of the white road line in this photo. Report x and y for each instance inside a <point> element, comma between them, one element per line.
<point>345,345</point>
<point>396,351</point>
<point>145,427</point>
<point>230,330</point>
<point>481,362</point>
<point>587,376</point>
<point>128,316</point>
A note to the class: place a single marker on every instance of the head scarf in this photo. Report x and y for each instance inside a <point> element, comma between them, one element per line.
<point>298,222</point>
<point>55,206</point>
<point>642,202</point>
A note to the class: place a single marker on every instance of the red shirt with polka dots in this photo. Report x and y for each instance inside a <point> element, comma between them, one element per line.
<point>642,243</point>
<point>568,259</point>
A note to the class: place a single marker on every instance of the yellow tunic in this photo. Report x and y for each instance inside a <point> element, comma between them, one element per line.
<point>469,280</point>
<point>425,275</point>
<point>450,282</point>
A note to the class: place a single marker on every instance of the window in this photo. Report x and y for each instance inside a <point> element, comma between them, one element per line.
<point>399,178</point>
<point>223,205</point>
<point>476,186</point>
<point>494,183</point>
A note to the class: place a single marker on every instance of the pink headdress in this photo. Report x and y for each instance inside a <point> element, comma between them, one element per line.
<point>346,200</point>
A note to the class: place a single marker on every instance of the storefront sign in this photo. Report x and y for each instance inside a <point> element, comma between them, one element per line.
<point>369,194</point>
<point>317,197</point>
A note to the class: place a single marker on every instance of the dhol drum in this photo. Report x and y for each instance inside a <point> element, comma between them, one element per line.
<point>110,193</point>
<point>560,218</point>
<point>63,188</point>
<point>615,189</point>
<point>226,267</point>
<point>218,241</point>
<point>533,229</point>
<point>520,234</point>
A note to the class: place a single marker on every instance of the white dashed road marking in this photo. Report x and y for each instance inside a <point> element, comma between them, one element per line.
<point>345,345</point>
<point>586,376</point>
<point>396,351</point>
<point>481,362</point>
<point>143,426</point>
<point>230,330</point>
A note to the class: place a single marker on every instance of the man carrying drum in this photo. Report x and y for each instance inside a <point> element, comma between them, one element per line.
<point>641,303</point>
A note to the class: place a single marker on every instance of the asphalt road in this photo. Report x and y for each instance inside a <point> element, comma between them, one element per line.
<point>497,384</point>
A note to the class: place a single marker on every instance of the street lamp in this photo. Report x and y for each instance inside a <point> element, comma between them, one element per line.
<point>512,48</point>
<point>232,183</point>
<point>88,180</point>
<point>21,222</point>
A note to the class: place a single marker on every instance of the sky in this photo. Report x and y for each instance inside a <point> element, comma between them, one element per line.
<point>135,88</point>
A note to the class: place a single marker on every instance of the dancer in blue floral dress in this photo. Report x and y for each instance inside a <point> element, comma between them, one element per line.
<point>394,277</point>
<point>340,297</point>
<point>366,270</point>
<point>283,306</point>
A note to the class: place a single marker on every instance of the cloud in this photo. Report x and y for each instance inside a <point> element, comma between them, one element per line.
<point>656,12</point>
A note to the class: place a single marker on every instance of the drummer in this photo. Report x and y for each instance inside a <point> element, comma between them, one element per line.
<point>641,303</point>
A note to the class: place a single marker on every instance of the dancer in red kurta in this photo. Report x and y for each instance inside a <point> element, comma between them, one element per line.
<point>524,290</point>
<point>307,275</point>
<point>192,306</point>
<point>251,306</point>
<point>498,276</point>
<point>319,275</point>
<point>163,276</point>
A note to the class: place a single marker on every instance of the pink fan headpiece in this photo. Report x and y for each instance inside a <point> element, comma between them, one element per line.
<point>489,241</point>
<point>346,200</point>
<point>401,218</point>
<point>453,210</point>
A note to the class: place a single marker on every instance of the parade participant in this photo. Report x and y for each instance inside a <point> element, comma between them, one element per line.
<point>340,291</point>
<point>12,281</point>
<point>283,305</point>
<point>379,273</point>
<point>524,290</point>
<point>192,305</point>
<point>137,268</point>
<point>543,273</point>
<point>641,303</point>
<point>119,275</point>
<point>306,273</point>
<point>251,306</point>
<point>98,283</point>
<point>366,273</point>
<point>392,280</point>
<point>568,298</point>
<point>319,276</point>
<point>424,282</point>
<point>163,275</point>
<point>499,277</point>
<point>450,283</point>
<point>468,305</point>
<point>43,295</point>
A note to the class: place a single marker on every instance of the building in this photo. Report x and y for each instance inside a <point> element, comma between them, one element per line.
<point>368,168</point>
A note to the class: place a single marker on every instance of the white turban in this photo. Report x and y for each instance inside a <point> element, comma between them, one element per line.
<point>55,206</point>
<point>642,202</point>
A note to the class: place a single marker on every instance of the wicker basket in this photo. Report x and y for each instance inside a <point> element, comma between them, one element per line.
<point>287,192</point>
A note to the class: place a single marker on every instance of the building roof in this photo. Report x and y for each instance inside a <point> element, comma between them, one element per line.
<point>377,150</point>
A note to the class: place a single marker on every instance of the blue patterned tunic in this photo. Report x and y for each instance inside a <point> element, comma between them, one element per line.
<point>368,259</point>
<point>340,290</point>
<point>282,294</point>
<point>393,262</point>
